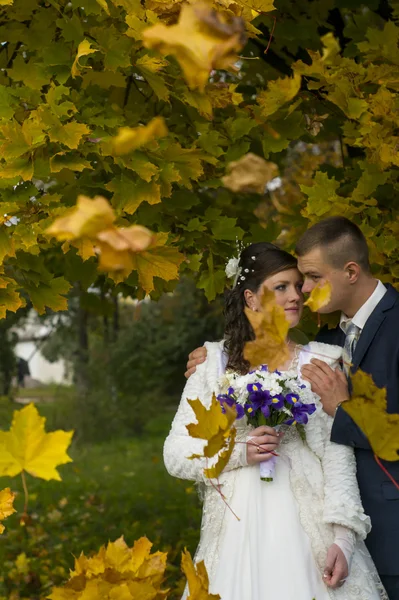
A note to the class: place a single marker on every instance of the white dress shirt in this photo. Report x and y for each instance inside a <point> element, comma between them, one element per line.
<point>364,311</point>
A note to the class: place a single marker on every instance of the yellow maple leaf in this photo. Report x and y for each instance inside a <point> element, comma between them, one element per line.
<point>257,6</point>
<point>250,173</point>
<point>22,564</point>
<point>216,427</point>
<point>154,64</point>
<point>118,572</point>
<point>368,408</point>
<point>69,134</point>
<point>9,297</point>
<point>87,218</point>
<point>278,92</point>
<point>197,578</point>
<point>129,139</point>
<point>19,167</point>
<point>271,328</point>
<point>158,260</point>
<point>27,447</point>
<point>84,49</point>
<point>320,296</point>
<point>7,498</point>
<point>202,40</point>
<point>84,246</point>
<point>223,458</point>
<point>213,425</point>
<point>116,246</point>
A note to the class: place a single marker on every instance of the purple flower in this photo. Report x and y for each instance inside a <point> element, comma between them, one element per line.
<point>300,413</point>
<point>251,408</point>
<point>240,410</point>
<point>230,401</point>
<point>292,398</point>
<point>259,399</point>
<point>278,373</point>
<point>265,410</point>
<point>277,401</point>
<point>254,387</point>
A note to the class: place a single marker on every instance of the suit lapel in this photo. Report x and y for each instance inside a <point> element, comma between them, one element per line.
<point>372,325</point>
<point>366,337</point>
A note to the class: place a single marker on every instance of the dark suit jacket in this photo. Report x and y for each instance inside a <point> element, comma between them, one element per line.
<point>376,353</point>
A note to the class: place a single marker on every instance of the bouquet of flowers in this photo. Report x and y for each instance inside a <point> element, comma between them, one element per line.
<point>267,398</point>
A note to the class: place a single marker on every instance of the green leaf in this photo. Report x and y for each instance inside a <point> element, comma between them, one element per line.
<point>128,194</point>
<point>225,229</point>
<point>210,281</point>
<point>50,295</point>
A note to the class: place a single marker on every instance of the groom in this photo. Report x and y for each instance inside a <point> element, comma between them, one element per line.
<point>335,250</point>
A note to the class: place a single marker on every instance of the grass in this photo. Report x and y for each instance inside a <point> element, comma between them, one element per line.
<point>111,489</point>
<point>43,392</point>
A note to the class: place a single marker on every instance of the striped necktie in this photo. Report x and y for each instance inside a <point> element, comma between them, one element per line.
<point>351,338</point>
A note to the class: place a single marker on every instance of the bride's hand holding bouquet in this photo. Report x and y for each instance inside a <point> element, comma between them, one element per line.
<point>262,444</point>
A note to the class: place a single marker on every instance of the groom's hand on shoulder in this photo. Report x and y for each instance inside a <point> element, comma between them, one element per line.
<point>331,385</point>
<point>195,358</point>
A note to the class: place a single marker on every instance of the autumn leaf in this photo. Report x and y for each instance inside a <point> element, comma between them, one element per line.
<point>84,49</point>
<point>368,408</point>
<point>202,40</point>
<point>158,260</point>
<point>116,246</point>
<point>249,174</point>
<point>91,224</point>
<point>10,298</point>
<point>259,6</point>
<point>27,447</point>
<point>271,328</point>
<point>86,219</point>
<point>319,297</point>
<point>63,160</point>
<point>154,64</point>
<point>216,427</point>
<point>197,578</point>
<point>129,139</point>
<point>118,572</point>
<point>212,425</point>
<point>223,458</point>
<point>278,93</point>
<point>7,498</point>
<point>69,134</point>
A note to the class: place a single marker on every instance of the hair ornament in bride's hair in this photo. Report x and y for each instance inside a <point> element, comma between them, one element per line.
<point>233,268</point>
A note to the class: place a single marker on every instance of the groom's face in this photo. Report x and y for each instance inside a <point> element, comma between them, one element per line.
<point>317,270</point>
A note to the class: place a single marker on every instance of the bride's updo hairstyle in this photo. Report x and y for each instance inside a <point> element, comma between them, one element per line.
<point>257,263</point>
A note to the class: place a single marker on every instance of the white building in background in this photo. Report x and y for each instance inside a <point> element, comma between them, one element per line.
<point>30,337</point>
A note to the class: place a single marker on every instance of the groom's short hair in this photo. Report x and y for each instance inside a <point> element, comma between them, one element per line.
<point>341,240</point>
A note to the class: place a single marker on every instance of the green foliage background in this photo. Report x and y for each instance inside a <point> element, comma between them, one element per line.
<point>54,132</point>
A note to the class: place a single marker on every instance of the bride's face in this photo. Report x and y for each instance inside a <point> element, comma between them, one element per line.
<point>287,287</point>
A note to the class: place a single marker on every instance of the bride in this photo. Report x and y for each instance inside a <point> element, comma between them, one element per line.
<point>300,536</point>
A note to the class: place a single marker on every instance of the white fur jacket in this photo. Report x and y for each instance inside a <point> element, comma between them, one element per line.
<point>327,495</point>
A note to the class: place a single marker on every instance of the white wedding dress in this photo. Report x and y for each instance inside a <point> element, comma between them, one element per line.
<point>277,548</point>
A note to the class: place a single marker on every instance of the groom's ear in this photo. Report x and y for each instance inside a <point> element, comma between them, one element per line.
<point>352,272</point>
